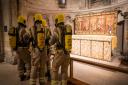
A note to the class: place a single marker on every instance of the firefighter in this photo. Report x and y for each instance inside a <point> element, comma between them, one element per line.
<point>21,43</point>
<point>62,39</point>
<point>39,50</point>
<point>48,32</point>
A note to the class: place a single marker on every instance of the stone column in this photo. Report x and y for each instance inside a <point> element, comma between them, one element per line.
<point>6,22</point>
<point>125,48</point>
<point>1,34</point>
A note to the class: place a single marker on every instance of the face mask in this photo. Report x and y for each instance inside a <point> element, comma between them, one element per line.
<point>38,25</point>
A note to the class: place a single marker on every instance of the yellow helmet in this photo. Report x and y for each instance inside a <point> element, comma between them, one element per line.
<point>60,18</point>
<point>56,17</point>
<point>37,17</point>
<point>44,23</point>
<point>21,20</point>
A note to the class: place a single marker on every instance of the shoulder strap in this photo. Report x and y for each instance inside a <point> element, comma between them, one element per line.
<point>48,32</point>
<point>58,31</point>
<point>32,32</point>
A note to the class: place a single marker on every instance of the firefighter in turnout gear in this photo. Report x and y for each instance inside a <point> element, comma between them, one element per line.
<point>62,39</point>
<point>22,45</point>
<point>39,50</point>
<point>48,34</point>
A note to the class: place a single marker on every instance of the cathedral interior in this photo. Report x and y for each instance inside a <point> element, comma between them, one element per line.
<point>99,54</point>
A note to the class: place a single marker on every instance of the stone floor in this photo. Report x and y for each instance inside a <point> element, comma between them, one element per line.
<point>94,75</point>
<point>90,74</point>
<point>9,75</point>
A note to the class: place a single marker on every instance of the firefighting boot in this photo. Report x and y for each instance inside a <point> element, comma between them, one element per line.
<point>22,77</point>
<point>48,75</point>
<point>64,82</point>
<point>42,83</point>
<point>54,82</point>
<point>27,77</point>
